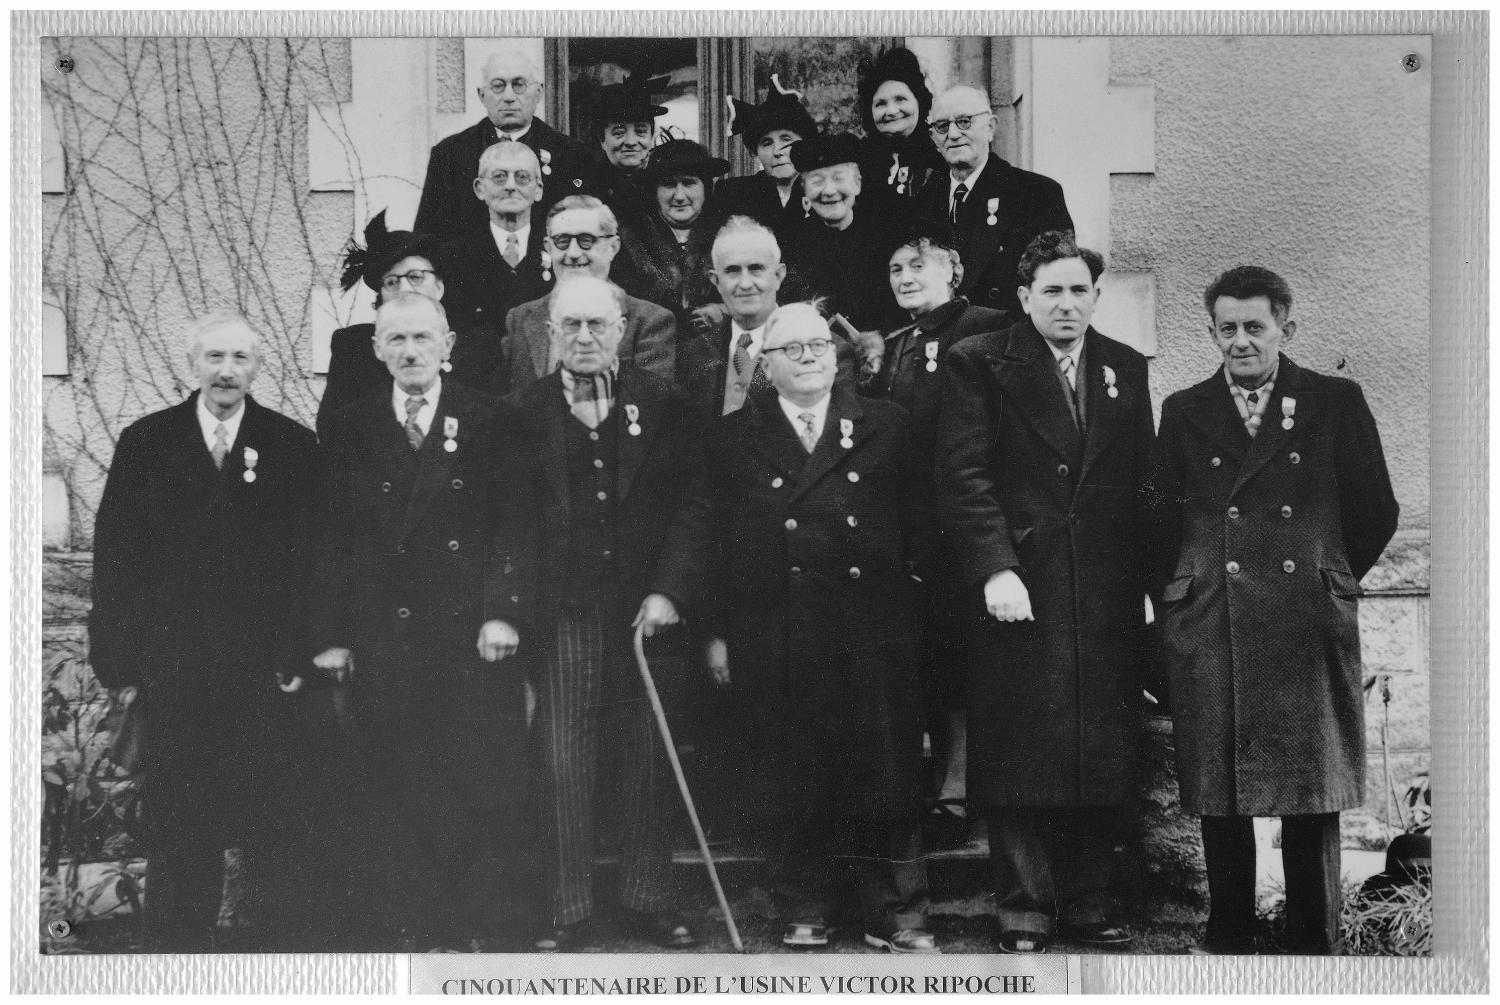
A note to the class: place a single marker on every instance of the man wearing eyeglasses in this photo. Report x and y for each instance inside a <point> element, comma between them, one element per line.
<point>511,89</point>
<point>583,238</point>
<point>803,515</point>
<point>996,209</point>
<point>596,455</point>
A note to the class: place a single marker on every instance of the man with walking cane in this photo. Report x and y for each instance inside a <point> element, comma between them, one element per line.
<point>591,470</point>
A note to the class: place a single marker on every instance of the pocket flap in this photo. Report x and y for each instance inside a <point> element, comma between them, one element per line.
<point>1341,583</point>
<point>1177,589</point>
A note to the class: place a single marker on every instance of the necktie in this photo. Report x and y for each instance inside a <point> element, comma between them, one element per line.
<point>1252,418</point>
<point>1068,371</point>
<point>959,194</point>
<point>221,445</point>
<point>512,253</point>
<point>809,434</point>
<point>741,358</point>
<point>414,431</point>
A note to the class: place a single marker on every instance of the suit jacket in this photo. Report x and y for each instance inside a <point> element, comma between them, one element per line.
<point>536,523</point>
<point>449,208</point>
<point>1261,543</point>
<point>407,566</point>
<point>798,560</point>
<point>1025,205</point>
<point>480,291</point>
<point>1052,702</point>
<point>649,342</point>
<point>703,362</point>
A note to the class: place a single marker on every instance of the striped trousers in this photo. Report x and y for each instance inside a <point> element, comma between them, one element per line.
<point>592,700</point>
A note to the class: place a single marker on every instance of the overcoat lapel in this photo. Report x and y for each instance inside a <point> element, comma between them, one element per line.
<point>773,436</point>
<point>979,249</point>
<point>829,452</point>
<point>1213,412</point>
<point>1026,374</point>
<point>633,450</point>
<point>545,401</point>
<point>433,461</point>
<point>1271,438</point>
<point>197,462</point>
<point>1104,412</point>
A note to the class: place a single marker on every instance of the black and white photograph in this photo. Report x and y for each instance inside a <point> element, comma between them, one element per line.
<point>962,502</point>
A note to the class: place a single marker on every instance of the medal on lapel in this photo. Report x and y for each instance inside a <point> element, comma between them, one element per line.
<point>1109,383</point>
<point>993,207</point>
<point>545,156</point>
<point>932,351</point>
<point>846,429</point>
<point>450,432</point>
<point>633,414</point>
<point>901,176</point>
<point>1288,409</point>
<point>546,266</point>
<point>251,456</point>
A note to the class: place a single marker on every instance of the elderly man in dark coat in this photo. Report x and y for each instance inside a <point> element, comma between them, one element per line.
<point>405,609</point>
<point>200,559</point>
<point>510,88</point>
<point>596,456</point>
<point>806,496</point>
<point>1043,447</point>
<point>1274,502</point>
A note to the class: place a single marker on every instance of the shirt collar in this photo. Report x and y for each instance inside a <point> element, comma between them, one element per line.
<point>514,136</point>
<point>757,336</point>
<point>208,422</point>
<point>1264,386</point>
<point>819,411</point>
<point>968,180</point>
<point>1076,352</point>
<point>424,416</point>
<point>500,235</point>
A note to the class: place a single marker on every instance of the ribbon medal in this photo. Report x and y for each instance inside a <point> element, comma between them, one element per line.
<point>932,351</point>
<point>846,428</point>
<point>251,456</point>
<point>901,177</point>
<point>446,366</point>
<point>1288,409</point>
<point>1109,383</point>
<point>545,156</point>
<point>546,267</point>
<point>633,413</point>
<point>450,431</point>
<point>993,206</point>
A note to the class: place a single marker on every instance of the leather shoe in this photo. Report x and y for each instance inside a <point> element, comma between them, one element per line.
<point>1096,933</point>
<point>565,938</point>
<point>1022,943</point>
<point>805,932</point>
<point>665,928</point>
<point>901,940</point>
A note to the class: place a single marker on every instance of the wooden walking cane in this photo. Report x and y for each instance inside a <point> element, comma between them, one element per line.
<point>687,797</point>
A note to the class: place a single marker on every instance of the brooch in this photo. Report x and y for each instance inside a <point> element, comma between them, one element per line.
<point>993,206</point>
<point>846,428</point>
<point>1109,383</point>
<point>1288,409</point>
<point>450,431</point>
<point>251,456</point>
<point>633,414</point>
<point>932,351</point>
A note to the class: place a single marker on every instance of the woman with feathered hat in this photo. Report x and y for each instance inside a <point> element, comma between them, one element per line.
<point>773,196</point>
<point>897,155</point>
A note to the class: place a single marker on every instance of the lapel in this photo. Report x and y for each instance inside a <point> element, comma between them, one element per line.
<point>197,462</point>
<point>433,461</point>
<point>632,450</point>
<point>533,320</point>
<point>1211,410</point>
<point>983,241</point>
<point>1104,414</point>
<point>772,436</point>
<point>1027,374</point>
<point>1271,438</point>
<point>231,478</point>
<point>544,401</point>
<point>829,452</point>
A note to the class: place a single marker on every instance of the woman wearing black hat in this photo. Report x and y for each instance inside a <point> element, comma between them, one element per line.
<point>627,133</point>
<point>897,155</point>
<point>925,271</point>
<point>391,261</point>
<point>772,196</point>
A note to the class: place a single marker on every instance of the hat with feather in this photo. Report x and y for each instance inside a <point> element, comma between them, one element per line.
<point>782,109</point>
<point>630,99</point>
<point>382,249</point>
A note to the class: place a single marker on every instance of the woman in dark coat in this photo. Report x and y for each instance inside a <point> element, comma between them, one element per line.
<point>897,155</point>
<point>772,196</point>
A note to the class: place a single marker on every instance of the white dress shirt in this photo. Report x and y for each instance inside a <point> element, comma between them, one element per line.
<point>1076,353</point>
<point>425,413</point>
<point>208,422</point>
<point>502,134</point>
<point>501,236</point>
<point>794,415</point>
<point>967,181</point>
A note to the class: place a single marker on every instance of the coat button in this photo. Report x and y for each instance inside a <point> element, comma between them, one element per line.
<point>594,435</point>
<point>1295,457</point>
<point>776,483</point>
<point>598,462</point>
<point>401,549</point>
<point>402,612</point>
<point>458,483</point>
<point>854,476</point>
<point>796,571</point>
<point>1062,471</point>
<point>1233,568</point>
<point>853,520</point>
<point>854,572</point>
<point>602,496</point>
<point>791,524</point>
<point>515,600</point>
<point>385,486</point>
<point>1289,566</point>
<point>1073,518</point>
<point>608,555</point>
<point>1286,511</point>
<point>1234,512</point>
<point>452,545</point>
<point>1214,462</point>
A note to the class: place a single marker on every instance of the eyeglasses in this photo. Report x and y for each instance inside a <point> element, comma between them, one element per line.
<point>596,326</point>
<point>519,86</point>
<point>939,129</point>
<point>500,177</point>
<point>794,350</point>
<point>585,241</point>
<point>392,283</point>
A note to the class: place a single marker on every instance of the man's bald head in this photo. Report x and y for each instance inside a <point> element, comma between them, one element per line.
<point>510,87</point>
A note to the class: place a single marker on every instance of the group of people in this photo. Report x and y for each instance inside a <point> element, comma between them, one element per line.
<point>840,436</point>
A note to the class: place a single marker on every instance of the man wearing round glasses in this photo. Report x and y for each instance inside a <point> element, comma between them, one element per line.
<point>995,209</point>
<point>511,90</point>
<point>806,494</point>
<point>583,238</point>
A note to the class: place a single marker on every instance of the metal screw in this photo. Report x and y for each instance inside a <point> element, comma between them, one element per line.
<point>59,929</point>
<point>65,64</point>
<point>1412,62</point>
